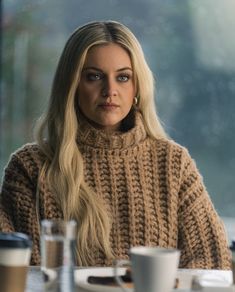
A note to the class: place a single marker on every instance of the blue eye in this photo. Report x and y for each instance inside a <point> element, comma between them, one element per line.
<point>93,76</point>
<point>123,78</point>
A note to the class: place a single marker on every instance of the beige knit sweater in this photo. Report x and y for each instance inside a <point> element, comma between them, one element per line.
<point>151,188</point>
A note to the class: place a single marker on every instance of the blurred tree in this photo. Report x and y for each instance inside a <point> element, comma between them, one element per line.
<point>194,78</point>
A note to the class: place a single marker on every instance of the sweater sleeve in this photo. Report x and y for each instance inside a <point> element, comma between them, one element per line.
<point>202,238</point>
<point>17,200</point>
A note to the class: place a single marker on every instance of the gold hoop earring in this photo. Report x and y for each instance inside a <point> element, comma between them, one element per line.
<point>135,102</point>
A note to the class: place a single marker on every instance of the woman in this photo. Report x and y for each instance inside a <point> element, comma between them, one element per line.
<point>103,159</point>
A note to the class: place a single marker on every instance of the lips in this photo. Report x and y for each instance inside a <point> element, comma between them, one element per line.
<point>107,105</point>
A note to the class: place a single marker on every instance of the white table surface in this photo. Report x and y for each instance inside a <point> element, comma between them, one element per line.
<point>35,280</point>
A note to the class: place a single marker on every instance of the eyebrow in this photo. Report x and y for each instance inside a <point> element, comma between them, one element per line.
<point>98,69</point>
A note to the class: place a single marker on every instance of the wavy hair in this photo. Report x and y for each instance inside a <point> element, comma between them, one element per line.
<point>56,133</point>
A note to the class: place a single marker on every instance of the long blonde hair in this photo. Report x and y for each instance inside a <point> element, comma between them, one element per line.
<point>56,133</point>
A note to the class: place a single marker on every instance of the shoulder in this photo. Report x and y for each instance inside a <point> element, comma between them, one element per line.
<point>173,154</point>
<point>28,159</point>
<point>28,153</point>
<point>175,160</point>
<point>28,150</point>
<point>169,147</point>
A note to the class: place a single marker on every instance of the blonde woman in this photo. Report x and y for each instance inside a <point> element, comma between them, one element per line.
<point>101,157</point>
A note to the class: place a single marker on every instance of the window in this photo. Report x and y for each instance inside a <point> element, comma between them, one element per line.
<point>189,45</point>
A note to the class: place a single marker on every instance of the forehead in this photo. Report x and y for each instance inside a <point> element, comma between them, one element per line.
<point>108,54</point>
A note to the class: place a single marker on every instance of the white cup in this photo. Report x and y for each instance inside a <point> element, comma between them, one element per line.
<point>153,269</point>
<point>15,253</point>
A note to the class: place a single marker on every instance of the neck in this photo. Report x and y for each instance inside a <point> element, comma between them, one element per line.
<point>90,136</point>
<point>125,125</point>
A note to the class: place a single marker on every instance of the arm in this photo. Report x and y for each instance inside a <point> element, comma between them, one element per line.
<point>202,238</point>
<point>12,188</point>
<point>17,201</point>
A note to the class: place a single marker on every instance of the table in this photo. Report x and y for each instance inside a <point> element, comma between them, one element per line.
<point>35,280</point>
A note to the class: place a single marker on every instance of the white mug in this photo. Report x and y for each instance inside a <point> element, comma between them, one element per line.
<point>153,269</point>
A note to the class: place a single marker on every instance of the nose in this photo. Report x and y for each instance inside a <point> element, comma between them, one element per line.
<point>109,88</point>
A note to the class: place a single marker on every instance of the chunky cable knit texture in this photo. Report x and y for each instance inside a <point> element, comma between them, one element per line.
<point>151,189</point>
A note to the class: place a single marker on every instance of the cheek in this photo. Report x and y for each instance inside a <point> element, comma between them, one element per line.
<point>82,98</point>
<point>85,105</point>
<point>130,97</point>
<point>90,92</point>
<point>87,100</point>
<point>86,95</point>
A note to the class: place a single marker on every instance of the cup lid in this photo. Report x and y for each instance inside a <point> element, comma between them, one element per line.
<point>14,240</point>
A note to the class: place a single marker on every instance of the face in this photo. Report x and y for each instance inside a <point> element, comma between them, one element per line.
<point>106,90</point>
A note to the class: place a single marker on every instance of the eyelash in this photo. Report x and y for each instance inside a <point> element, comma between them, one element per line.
<point>93,76</point>
<point>126,76</point>
<point>98,76</point>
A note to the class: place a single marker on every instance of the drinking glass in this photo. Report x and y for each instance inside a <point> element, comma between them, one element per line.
<point>58,239</point>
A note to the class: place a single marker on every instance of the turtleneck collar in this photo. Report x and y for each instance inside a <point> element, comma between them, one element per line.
<point>97,138</point>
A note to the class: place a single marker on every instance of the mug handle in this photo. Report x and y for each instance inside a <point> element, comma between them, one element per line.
<point>119,264</point>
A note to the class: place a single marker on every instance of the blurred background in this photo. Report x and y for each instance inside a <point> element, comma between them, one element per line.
<point>189,45</point>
